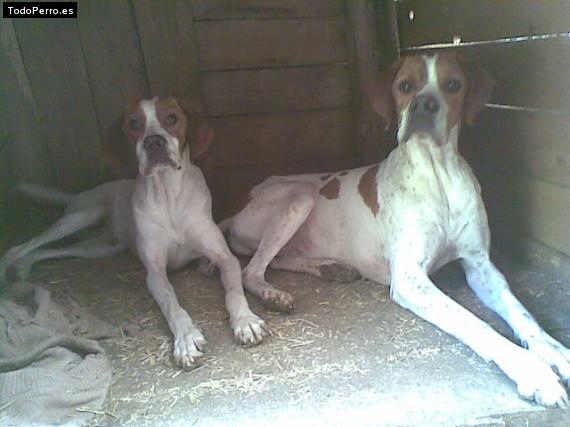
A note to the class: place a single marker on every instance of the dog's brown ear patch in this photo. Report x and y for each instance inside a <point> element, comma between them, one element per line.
<point>368,189</point>
<point>199,135</point>
<point>380,93</point>
<point>481,86</point>
<point>118,149</point>
<point>331,189</point>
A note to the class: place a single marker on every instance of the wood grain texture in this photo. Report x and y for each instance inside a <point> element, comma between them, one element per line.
<point>531,207</point>
<point>273,90</point>
<point>23,149</point>
<point>231,45</point>
<point>114,62</point>
<point>261,9</point>
<point>371,48</point>
<point>283,137</point>
<point>534,145</point>
<point>527,74</point>
<point>437,21</point>
<point>52,54</point>
<point>166,32</point>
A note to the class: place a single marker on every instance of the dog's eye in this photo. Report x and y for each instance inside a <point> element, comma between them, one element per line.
<point>453,86</point>
<point>406,86</point>
<point>134,124</point>
<point>172,119</point>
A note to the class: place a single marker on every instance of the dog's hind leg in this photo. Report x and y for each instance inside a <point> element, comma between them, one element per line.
<point>64,226</point>
<point>267,223</point>
<point>96,247</point>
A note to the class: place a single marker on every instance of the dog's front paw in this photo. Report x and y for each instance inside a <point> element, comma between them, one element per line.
<point>249,329</point>
<point>541,384</point>
<point>188,347</point>
<point>554,354</point>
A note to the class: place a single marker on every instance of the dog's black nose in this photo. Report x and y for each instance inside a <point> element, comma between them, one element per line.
<point>154,141</point>
<point>424,104</point>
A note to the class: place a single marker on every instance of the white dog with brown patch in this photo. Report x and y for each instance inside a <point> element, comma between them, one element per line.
<point>165,217</point>
<point>402,219</point>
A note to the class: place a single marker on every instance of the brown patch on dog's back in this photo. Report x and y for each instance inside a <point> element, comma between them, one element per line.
<point>367,187</point>
<point>331,189</point>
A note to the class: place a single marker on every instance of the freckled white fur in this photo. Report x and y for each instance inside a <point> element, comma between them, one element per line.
<point>153,127</point>
<point>166,219</point>
<point>430,213</point>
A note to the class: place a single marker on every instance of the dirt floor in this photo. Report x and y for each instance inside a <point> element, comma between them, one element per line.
<point>347,356</point>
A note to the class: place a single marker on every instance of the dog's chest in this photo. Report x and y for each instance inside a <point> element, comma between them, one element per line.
<point>440,194</point>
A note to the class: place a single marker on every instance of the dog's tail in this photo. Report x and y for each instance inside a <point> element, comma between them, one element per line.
<point>44,193</point>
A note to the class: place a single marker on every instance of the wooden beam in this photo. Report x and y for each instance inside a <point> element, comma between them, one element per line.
<point>373,47</point>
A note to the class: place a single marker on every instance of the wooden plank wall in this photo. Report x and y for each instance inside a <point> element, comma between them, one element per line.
<point>275,76</point>
<point>282,80</point>
<point>521,158</point>
<point>277,82</point>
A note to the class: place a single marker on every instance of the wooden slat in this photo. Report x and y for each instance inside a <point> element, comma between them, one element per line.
<point>230,45</point>
<point>534,145</point>
<point>367,55</point>
<point>114,60</point>
<point>54,62</point>
<point>235,183</point>
<point>273,90</point>
<point>282,137</point>
<point>531,207</point>
<point>23,150</point>
<point>527,74</point>
<point>259,9</point>
<point>166,31</point>
<point>437,21</point>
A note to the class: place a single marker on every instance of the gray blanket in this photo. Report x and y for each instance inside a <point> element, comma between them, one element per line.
<point>48,375</point>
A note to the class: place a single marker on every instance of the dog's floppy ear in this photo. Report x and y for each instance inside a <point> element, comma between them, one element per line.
<point>480,89</point>
<point>199,134</point>
<point>118,150</point>
<point>380,92</point>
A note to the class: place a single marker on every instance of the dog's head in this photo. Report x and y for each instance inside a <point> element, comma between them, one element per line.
<point>158,133</point>
<point>430,95</point>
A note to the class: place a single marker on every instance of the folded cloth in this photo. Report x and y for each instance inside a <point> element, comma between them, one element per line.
<point>47,375</point>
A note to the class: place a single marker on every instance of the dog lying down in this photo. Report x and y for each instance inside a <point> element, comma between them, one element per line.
<point>397,221</point>
<point>164,216</point>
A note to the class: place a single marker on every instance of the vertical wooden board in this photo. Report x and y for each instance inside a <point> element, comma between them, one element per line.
<point>166,30</point>
<point>240,44</point>
<point>531,207</point>
<point>23,144</point>
<point>437,21</point>
<point>54,62</point>
<point>526,74</point>
<point>372,46</point>
<point>114,60</point>
<point>277,89</point>
<point>259,9</point>
<point>534,145</point>
<point>281,137</point>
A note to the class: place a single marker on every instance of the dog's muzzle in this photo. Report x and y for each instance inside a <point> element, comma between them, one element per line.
<point>423,111</point>
<point>156,148</point>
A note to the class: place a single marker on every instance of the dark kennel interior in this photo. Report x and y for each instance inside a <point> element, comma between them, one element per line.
<point>284,84</point>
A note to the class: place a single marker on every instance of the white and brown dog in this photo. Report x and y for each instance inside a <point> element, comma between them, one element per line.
<point>397,221</point>
<point>165,217</point>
